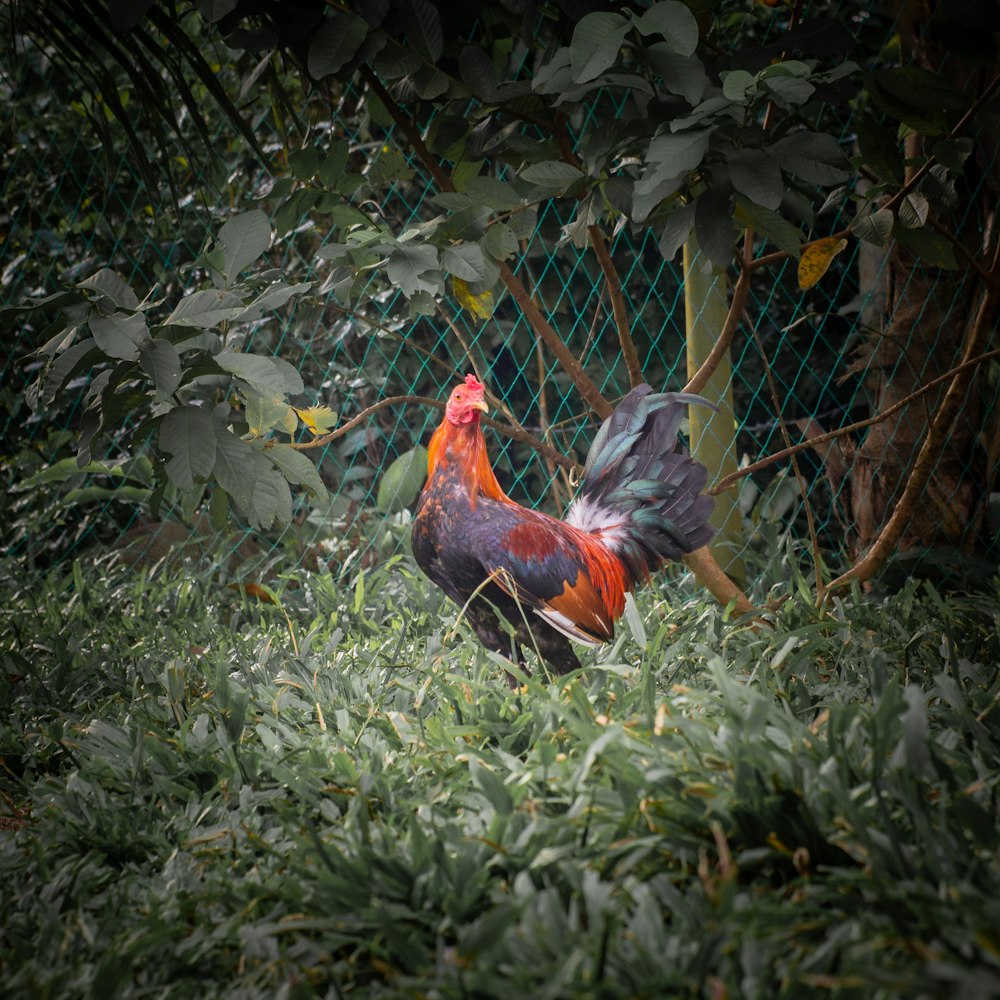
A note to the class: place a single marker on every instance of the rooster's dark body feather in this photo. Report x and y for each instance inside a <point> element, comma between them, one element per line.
<point>640,504</point>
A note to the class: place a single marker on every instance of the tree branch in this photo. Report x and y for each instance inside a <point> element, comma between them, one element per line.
<point>629,352</point>
<point>515,433</point>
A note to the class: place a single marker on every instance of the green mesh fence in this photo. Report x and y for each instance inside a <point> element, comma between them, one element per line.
<point>71,207</point>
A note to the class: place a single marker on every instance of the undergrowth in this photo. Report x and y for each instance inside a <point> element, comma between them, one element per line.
<point>337,794</point>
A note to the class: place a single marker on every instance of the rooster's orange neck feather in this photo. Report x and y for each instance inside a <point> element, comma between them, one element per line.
<point>462,448</point>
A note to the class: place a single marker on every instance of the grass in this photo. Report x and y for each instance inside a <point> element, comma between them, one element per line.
<point>337,794</point>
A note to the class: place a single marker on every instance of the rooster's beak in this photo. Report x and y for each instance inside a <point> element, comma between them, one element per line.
<point>480,405</point>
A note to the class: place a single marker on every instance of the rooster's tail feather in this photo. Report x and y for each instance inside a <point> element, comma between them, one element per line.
<point>642,492</point>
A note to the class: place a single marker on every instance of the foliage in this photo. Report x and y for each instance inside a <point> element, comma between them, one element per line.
<point>184,381</point>
<point>336,792</point>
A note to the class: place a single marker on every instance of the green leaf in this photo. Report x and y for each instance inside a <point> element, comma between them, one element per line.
<point>112,287</point>
<point>334,164</point>
<point>555,174</point>
<point>119,335</point>
<point>657,182</point>
<point>676,231</point>
<point>206,308</point>
<point>335,43</point>
<point>273,297</point>
<point>422,24</point>
<point>952,153</point>
<point>880,150</point>
<point>634,621</point>
<point>491,786</point>
<point>680,151</point>
<point>500,241</point>
<point>674,21</point>
<point>492,193</point>
<point>414,268</point>
<point>929,246</point>
<point>304,163</point>
<point>913,210</point>
<point>737,84</point>
<point>297,468</point>
<point>401,482</point>
<point>265,374</point>
<point>597,38</point>
<point>713,225</point>
<point>874,227</point>
<point>815,157</point>
<point>256,486</point>
<point>465,261</point>
<point>788,91</point>
<point>920,89</point>
<point>161,361</point>
<point>264,413</point>
<point>188,433</point>
<point>768,223</point>
<point>681,75</point>
<point>476,69</point>
<point>757,176</point>
<point>243,239</point>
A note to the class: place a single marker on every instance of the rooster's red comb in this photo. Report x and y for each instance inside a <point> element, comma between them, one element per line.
<point>472,382</point>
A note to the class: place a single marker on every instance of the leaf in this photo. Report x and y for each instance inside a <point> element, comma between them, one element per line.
<point>952,153</point>
<point>874,227</point>
<point>880,150</point>
<point>465,261</point>
<point>304,162</point>
<point>119,335</point>
<point>257,488</point>
<point>266,375</point>
<point>500,241</point>
<point>161,361</point>
<point>476,69</point>
<point>555,174</point>
<point>757,176</point>
<point>931,247</point>
<point>188,433</point>
<point>491,786</point>
<point>913,210</point>
<point>408,266</point>
<point>634,621</point>
<point>713,225</point>
<point>243,239</point>
<point>264,413</point>
<point>656,183</point>
<point>401,482</point>
<point>682,75</point>
<point>206,308</point>
<point>297,468</point>
<point>479,304</point>
<point>680,151</point>
<point>319,419</point>
<point>676,231</point>
<point>597,38</point>
<point>422,24</point>
<point>816,259</point>
<point>492,193</point>
<point>335,43</point>
<point>112,287</point>
<point>674,21</point>
<point>782,233</point>
<point>811,156</point>
<point>736,84</point>
<point>272,297</point>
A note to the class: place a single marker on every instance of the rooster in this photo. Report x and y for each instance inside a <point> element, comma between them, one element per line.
<point>550,580</point>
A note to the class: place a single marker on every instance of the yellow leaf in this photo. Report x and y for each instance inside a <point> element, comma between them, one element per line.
<point>479,304</point>
<point>318,419</point>
<point>816,259</point>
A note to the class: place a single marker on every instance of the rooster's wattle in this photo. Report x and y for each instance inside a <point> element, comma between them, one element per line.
<point>640,505</point>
